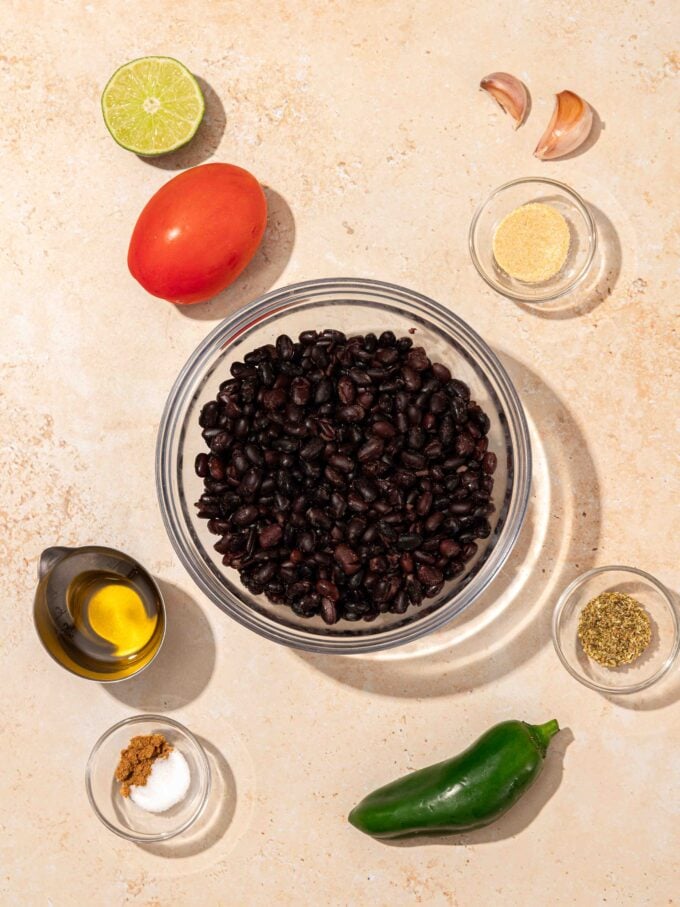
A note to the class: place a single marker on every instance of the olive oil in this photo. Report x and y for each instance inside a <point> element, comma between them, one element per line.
<point>98,612</point>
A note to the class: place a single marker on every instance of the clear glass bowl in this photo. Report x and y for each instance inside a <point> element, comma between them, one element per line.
<point>354,306</point>
<point>120,814</point>
<point>504,200</point>
<point>652,664</point>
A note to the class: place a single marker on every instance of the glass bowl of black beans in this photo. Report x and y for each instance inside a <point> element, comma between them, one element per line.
<point>343,466</point>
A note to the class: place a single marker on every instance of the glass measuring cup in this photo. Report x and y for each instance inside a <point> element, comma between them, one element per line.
<point>98,612</point>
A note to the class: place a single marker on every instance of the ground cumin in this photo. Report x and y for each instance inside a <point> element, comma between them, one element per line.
<point>136,761</point>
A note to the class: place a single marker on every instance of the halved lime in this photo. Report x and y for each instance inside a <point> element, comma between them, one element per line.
<point>152,105</point>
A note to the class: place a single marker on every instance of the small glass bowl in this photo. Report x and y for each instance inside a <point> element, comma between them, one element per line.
<point>513,195</point>
<point>120,814</point>
<point>657,602</point>
<point>355,306</point>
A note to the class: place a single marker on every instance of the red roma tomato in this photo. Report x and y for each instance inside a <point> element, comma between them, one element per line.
<point>197,233</point>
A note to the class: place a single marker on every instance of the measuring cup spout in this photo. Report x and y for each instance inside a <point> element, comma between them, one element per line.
<point>50,557</point>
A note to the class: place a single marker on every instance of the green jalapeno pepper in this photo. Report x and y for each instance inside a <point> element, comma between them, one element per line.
<point>469,791</point>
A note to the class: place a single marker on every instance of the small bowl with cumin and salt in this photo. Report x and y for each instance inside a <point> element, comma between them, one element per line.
<point>533,240</point>
<point>616,629</point>
<point>148,779</point>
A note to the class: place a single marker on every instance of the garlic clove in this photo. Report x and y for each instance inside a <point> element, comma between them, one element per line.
<point>509,93</point>
<point>568,128</point>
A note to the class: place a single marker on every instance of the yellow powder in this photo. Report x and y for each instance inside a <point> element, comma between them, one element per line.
<point>532,243</point>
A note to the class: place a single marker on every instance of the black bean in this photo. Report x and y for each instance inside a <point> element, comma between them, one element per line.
<point>338,505</point>
<point>352,413</point>
<point>360,377</point>
<point>438,403</point>
<point>464,445</point>
<point>254,454</point>
<point>346,390</point>
<point>334,476</point>
<point>387,356</point>
<point>311,449</point>
<point>387,338</point>
<point>414,414</point>
<point>433,450</point>
<point>371,450</point>
<point>341,462</point>
<point>409,541</point>
<point>441,372</point>
<point>221,442</point>
<point>324,391</point>
<point>460,508</point>
<point>250,483</point>
<point>412,379</point>
<point>216,468</point>
<point>417,359</point>
<point>270,536</point>
<point>433,522</point>
<point>285,347</point>
<point>209,415</point>
<point>400,603</point>
<point>329,611</point>
<point>287,445</point>
<point>366,489</point>
<point>264,573</point>
<point>412,459</point>
<point>300,391</point>
<point>318,517</point>
<point>489,463</point>
<point>328,589</point>
<point>246,515</point>
<point>274,399</point>
<point>449,548</point>
<point>429,576</point>
<point>383,429</point>
<point>318,356</point>
<point>201,465</point>
<point>356,502</point>
<point>424,503</point>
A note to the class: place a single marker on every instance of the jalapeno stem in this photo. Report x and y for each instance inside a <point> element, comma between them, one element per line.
<point>543,733</point>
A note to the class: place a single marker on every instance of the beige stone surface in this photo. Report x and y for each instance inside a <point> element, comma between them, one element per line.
<point>365,122</point>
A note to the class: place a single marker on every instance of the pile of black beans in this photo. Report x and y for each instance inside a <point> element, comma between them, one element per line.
<point>347,476</point>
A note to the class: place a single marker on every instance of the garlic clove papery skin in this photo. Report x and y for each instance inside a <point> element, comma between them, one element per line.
<point>509,93</point>
<point>568,128</point>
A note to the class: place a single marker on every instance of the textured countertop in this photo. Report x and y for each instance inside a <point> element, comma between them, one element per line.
<point>365,123</point>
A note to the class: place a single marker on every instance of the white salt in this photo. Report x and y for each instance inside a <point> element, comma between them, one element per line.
<point>167,784</point>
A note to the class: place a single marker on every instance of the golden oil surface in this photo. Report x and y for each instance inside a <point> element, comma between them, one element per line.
<point>99,614</point>
<point>110,615</point>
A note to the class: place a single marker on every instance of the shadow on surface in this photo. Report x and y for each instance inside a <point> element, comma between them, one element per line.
<point>263,271</point>
<point>510,621</point>
<point>598,283</point>
<point>518,817</point>
<point>184,665</point>
<point>215,819</point>
<point>206,141</point>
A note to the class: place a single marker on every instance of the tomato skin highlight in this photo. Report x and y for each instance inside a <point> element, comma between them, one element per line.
<point>197,233</point>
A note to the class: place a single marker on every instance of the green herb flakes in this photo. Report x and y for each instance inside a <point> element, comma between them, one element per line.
<point>614,629</point>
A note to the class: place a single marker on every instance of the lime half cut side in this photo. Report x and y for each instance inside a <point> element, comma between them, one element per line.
<point>153,105</point>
